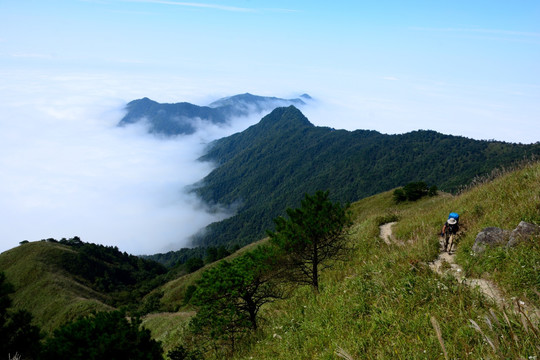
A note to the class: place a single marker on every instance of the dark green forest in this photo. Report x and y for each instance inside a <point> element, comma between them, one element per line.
<point>272,164</point>
<point>123,278</point>
<point>185,258</point>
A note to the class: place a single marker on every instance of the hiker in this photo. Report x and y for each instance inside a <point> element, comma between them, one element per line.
<point>449,230</point>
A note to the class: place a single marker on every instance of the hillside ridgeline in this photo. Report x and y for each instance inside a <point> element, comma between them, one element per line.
<point>272,164</point>
<point>58,281</point>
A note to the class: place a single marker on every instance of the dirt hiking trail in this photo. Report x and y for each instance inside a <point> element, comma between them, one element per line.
<point>445,264</point>
<point>386,233</point>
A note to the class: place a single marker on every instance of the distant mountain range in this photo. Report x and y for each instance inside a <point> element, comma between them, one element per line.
<point>183,118</point>
<point>271,165</point>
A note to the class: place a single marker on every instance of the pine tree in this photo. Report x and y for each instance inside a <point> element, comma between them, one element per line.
<point>313,235</point>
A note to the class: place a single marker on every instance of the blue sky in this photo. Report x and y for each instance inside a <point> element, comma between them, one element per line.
<point>67,68</point>
<point>463,67</point>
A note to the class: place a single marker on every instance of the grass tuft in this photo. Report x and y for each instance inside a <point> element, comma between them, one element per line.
<point>343,354</point>
<point>437,329</point>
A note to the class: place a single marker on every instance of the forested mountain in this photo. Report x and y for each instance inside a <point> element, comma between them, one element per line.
<point>58,281</point>
<point>182,118</point>
<point>271,165</point>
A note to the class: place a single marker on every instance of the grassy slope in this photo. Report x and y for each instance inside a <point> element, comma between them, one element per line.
<point>173,291</point>
<point>379,304</point>
<point>52,296</point>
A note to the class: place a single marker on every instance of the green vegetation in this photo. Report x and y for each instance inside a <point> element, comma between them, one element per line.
<point>174,258</point>
<point>230,295</point>
<point>311,237</point>
<point>181,353</point>
<point>516,268</point>
<point>194,264</point>
<point>384,301</point>
<point>43,288</point>
<point>182,118</point>
<point>105,335</point>
<point>18,334</point>
<point>414,191</point>
<point>214,254</point>
<point>188,260</point>
<point>124,278</point>
<point>175,292</point>
<point>58,281</point>
<point>271,165</point>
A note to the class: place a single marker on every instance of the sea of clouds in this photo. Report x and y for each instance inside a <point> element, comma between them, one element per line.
<point>68,170</point>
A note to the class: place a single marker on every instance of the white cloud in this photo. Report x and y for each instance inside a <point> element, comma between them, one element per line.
<point>395,107</point>
<point>196,5</point>
<point>214,6</point>
<point>31,55</point>
<point>68,170</point>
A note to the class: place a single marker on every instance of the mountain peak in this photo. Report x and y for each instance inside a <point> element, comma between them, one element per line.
<point>285,118</point>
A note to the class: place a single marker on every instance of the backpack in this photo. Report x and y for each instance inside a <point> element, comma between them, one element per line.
<point>452,228</point>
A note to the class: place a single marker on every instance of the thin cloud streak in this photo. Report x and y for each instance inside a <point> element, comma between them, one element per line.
<point>196,5</point>
<point>31,56</point>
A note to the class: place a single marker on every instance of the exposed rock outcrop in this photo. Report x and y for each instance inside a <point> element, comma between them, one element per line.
<point>524,232</point>
<point>491,236</point>
<point>494,236</point>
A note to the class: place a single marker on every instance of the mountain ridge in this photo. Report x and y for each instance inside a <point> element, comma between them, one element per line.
<point>182,118</point>
<point>267,167</point>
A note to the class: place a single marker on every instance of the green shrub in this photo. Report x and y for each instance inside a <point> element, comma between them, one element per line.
<point>106,335</point>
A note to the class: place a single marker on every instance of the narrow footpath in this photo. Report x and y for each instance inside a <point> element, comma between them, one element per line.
<point>487,287</point>
<point>445,264</point>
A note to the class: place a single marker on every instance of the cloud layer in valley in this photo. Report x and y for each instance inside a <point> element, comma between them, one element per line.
<point>68,170</point>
